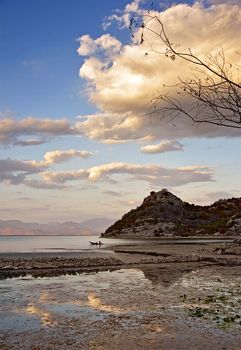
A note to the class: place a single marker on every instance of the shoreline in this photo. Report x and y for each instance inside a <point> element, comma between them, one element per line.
<point>115,256</point>
<point>173,238</point>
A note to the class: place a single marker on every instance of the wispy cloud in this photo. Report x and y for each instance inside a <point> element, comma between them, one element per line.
<point>162,147</point>
<point>42,185</point>
<point>11,131</point>
<point>113,193</point>
<point>17,172</point>
<point>28,142</point>
<point>214,196</point>
<point>58,156</point>
<point>150,173</point>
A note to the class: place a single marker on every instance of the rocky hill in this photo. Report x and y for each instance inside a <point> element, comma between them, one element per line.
<point>162,214</point>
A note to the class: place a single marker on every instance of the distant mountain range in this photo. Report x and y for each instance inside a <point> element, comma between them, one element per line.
<point>88,227</point>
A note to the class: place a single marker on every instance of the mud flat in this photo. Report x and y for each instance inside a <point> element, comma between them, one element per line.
<point>112,257</point>
<point>139,297</point>
<point>165,306</point>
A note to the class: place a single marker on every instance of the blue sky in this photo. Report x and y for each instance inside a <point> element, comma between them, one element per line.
<point>39,65</point>
<point>60,96</point>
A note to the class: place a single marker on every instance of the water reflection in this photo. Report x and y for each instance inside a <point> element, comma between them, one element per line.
<point>45,317</point>
<point>96,303</point>
<point>128,296</point>
<point>58,301</point>
<point>44,297</point>
<point>92,300</point>
<point>165,276</point>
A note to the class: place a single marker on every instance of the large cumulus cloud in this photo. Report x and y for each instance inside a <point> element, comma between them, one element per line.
<point>122,81</point>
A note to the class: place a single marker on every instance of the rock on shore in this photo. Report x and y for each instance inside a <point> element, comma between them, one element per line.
<point>52,266</point>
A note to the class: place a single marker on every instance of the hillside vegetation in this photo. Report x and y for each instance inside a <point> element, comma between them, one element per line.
<point>162,214</point>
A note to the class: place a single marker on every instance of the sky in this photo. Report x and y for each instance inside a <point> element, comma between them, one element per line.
<point>76,138</point>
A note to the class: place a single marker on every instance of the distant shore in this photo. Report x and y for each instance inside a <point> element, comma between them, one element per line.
<point>205,237</point>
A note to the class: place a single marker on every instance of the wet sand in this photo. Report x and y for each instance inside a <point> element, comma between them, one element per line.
<point>139,297</point>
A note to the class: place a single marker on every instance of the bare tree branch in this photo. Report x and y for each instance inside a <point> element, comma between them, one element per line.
<point>211,95</point>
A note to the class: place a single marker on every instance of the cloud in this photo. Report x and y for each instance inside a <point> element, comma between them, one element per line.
<point>114,128</point>
<point>11,130</point>
<point>123,17</point>
<point>232,2</point>
<point>8,165</point>
<point>29,142</point>
<point>57,156</point>
<point>162,147</point>
<point>151,173</point>
<point>113,193</point>
<point>65,176</point>
<point>25,198</point>
<point>122,84</point>
<point>37,174</point>
<point>130,203</point>
<point>15,171</point>
<point>214,196</point>
<point>43,185</point>
<point>105,43</point>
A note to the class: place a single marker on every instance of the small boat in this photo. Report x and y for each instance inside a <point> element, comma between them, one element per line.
<point>96,243</point>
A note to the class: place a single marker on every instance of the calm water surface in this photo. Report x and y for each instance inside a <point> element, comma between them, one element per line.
<point>38,244</point>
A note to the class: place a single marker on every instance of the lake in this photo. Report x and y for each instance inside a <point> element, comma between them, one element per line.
<point>48,244</point>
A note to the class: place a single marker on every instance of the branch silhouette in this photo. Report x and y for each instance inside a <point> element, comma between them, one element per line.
<point>211,95</point>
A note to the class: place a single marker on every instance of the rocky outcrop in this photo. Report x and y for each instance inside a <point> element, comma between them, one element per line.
<point>162,214</point>
<point>234,225</point>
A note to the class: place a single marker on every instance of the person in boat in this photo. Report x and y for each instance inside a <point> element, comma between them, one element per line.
<point>96,243</point>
